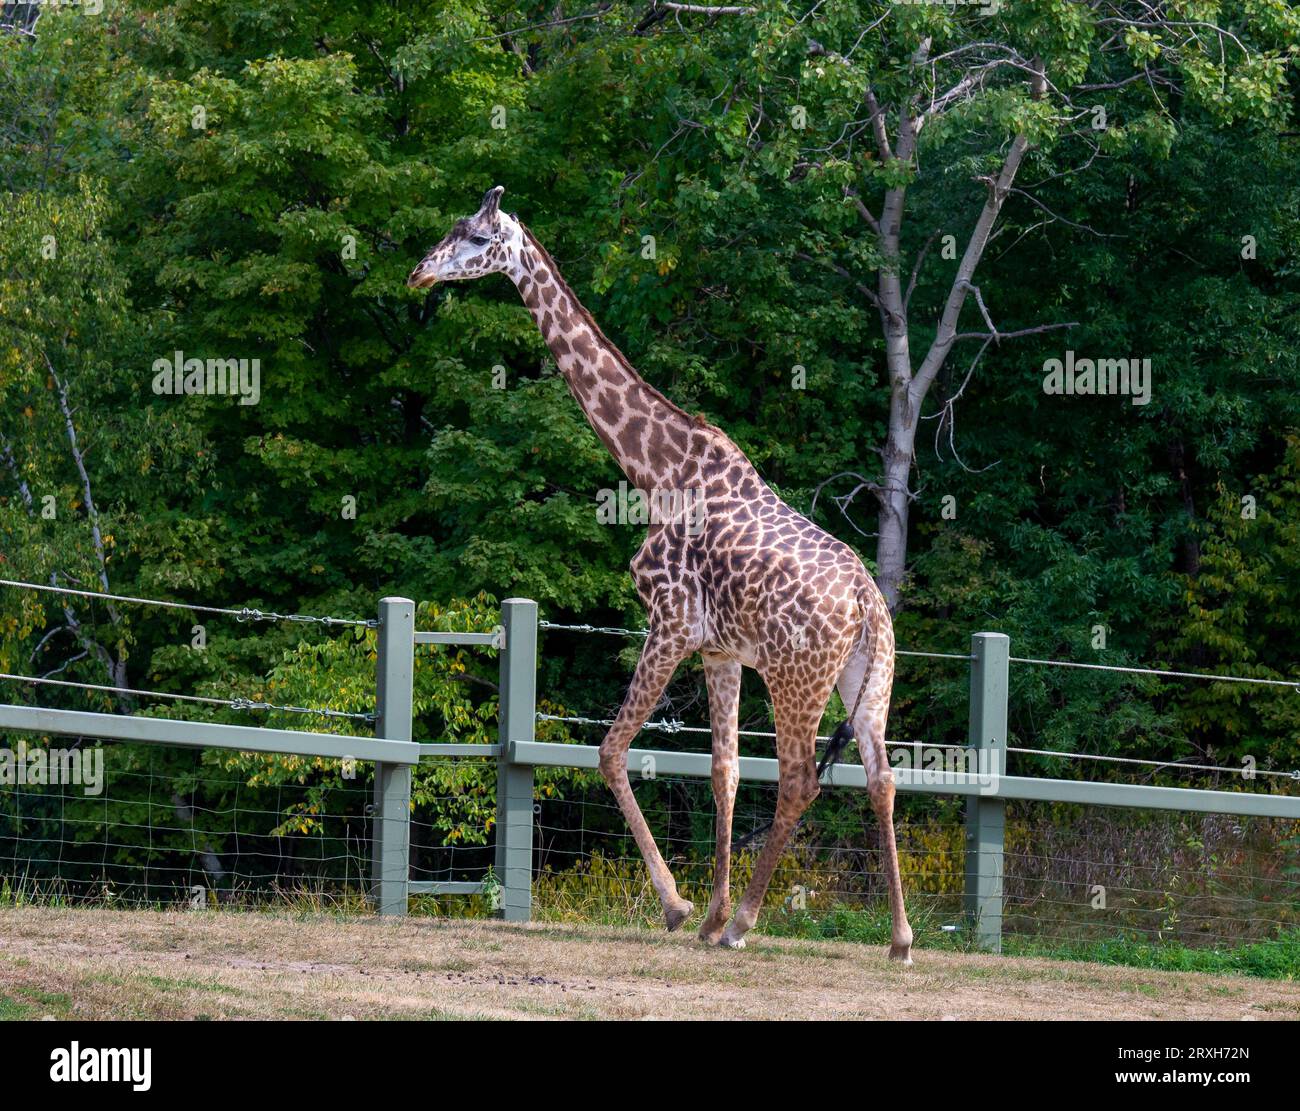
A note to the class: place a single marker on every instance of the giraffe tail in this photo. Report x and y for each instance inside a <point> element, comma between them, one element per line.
<point>839,741</point>
<point>843,734</point>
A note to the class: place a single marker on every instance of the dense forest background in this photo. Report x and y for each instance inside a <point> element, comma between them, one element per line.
<point>255,180</point>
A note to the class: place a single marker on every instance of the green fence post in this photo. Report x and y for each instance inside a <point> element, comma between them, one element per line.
<point>986,814</point>
<point>514,856</point>
<point>391,838</point>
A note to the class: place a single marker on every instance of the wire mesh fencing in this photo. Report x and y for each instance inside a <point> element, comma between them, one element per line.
<point>188,829</point>
<point>173,827</point>
<point>452,835</point>
<point>1071,873</point>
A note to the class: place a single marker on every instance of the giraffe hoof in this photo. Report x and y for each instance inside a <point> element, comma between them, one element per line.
<point>901,953</point>
<point>710,935</point>
<point>729,942</point>
<point>675,916</point>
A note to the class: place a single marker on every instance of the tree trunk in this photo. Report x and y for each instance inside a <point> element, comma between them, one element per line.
<point>895,504</point>
<point>908,389</point>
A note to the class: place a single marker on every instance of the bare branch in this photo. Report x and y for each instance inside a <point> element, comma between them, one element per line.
<point>703,9</point>
<point>7,454</point>
<point>79,458</point>
<point>947,416</point>
<point>41,643</point>
<point>865,290</point>
<point>65,665</point>
<point>843,501</point>
<point>601,10</point>
<point>863,483</point>
<point>116,668</point>
<point>998,192</point>
<point>878,126</point>
<point>863,210</point>
<point>984,311</point>
<point>1106,85</point>
<point>916,268</point>
<point>1057,216</point>
<point>1096,152</point>
<point>683,126</point>
<point>999,336</point>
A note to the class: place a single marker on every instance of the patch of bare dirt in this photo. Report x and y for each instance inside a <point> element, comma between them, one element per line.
<point>220,964</point>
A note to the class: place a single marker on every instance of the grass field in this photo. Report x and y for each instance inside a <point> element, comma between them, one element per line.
<point>99,963</point>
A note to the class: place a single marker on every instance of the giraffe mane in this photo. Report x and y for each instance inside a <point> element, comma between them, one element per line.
<point>590,321</point>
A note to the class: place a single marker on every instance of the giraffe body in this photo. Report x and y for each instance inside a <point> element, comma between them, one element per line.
<point>734,574</point>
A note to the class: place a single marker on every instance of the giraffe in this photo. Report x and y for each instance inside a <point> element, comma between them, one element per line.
<point>745,581</point>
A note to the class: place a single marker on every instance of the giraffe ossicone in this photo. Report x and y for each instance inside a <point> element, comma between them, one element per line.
<point>758,585</point>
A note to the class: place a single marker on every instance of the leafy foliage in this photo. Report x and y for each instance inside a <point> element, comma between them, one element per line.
<point>254,181</point>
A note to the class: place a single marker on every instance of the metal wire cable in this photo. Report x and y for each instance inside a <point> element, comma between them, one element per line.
<point>669,726</point>
<point>1292,683</point>
<point>607,630</point>
<point>610,630</point>
<point>232,703</point>
<point>32,679</point>
<point>244,614</point>
<point>1153,763</point>
<point>672,726</point>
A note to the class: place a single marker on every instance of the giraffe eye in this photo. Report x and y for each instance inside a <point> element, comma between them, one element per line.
<point>479,240</point>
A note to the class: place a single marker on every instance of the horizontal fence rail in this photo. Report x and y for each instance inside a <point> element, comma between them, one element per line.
<point>760,769</point>
<point>202,734</point>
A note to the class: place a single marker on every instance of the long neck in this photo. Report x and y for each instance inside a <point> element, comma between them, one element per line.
<point>646,433</point>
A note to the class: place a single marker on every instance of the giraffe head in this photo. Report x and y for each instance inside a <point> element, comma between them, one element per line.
<point>485,243</point>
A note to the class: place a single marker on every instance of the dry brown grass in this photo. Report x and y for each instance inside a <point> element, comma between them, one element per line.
<point>89,963</point>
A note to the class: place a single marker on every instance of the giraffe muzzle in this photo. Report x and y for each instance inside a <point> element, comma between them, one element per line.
<point>421,278</point>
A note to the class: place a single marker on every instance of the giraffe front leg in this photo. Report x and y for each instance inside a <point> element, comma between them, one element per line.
<point>722,676</point>
<point>653,671</point>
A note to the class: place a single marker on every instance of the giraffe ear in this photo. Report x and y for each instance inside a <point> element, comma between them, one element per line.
<point>492,198</point>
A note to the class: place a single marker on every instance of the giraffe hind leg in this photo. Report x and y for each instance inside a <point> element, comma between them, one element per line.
<point>722,677</point>
<point>869,728</point>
